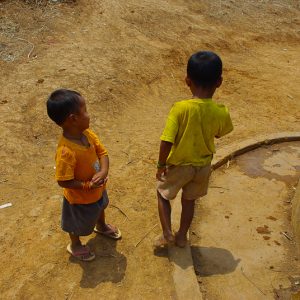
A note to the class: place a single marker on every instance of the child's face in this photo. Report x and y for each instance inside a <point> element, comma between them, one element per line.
<point>82,117</point>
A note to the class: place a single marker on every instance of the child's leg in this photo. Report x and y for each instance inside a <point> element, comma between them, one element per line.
<point>194,189</point>
<point>107,229</point>
<point>75,241</point>
<point>101,225</point>
<point>78,250</point>
<point>187,214</point>
<point>164,210</point>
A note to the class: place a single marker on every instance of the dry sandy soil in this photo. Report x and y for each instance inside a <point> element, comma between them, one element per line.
<point>128,60</point>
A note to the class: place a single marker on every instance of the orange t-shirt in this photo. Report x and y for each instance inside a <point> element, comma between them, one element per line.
<point>79,162</point>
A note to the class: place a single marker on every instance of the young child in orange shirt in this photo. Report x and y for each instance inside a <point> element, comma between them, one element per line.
<point>81,169</point>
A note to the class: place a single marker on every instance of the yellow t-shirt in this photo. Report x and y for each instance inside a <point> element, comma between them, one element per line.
<point>79,162</point>
<point>192,126</point>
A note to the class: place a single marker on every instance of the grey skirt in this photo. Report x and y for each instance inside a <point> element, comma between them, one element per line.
<point>80,219</point>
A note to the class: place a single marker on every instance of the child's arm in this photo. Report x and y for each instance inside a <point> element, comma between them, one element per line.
<point>225,124</point>
<point>167,139</point>
<point>165,148</point>
<point>101,177</point>
<point>78,185</point>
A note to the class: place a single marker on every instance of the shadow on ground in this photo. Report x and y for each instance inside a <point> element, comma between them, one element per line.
<point>210,261</point>
<point>207,261</point>
<point>109,265</point>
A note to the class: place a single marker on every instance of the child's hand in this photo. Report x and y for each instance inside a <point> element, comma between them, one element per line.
<point>160,172</point>
<point>99,179</point>
<point>102,182</point>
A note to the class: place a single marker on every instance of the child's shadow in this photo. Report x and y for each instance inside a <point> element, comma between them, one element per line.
<point>209,261</point>
<point>109,264</point>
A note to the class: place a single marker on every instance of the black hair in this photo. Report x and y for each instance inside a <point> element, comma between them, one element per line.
<point>61,104</point>
<point>204,68</point>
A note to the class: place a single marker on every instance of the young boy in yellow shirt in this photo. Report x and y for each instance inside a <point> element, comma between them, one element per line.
<point>81,169</point>
<point>187,144</point>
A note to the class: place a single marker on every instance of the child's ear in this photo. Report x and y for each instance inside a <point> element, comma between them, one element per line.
<point>188,81</point>
<point>72,117</point>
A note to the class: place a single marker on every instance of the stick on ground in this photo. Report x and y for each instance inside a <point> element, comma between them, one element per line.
<point>120,210</point>
<point>251,281</point>
<point>145,235</point>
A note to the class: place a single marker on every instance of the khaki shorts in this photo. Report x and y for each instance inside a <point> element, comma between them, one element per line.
<point>192,180</point>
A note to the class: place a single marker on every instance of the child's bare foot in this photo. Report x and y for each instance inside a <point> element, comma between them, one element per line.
<point>180,240</point>
<point>170,237</point>
<point>163,241</point>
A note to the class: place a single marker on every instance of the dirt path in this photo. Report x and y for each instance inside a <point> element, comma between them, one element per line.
<point>128,59</point>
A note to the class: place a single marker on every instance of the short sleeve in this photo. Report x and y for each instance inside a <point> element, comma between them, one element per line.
<point>100,150</point>
<point>225,123</point>
<point>65,164</point>
<point>172,125</point>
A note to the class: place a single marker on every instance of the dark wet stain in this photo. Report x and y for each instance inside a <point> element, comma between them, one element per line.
<point>263,229</point>
<point>252,163</point>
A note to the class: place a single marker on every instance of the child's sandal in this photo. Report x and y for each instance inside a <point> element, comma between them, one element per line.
<point>112,232</point>
<point>82,253</point>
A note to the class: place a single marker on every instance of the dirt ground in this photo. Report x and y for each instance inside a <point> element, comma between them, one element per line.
<point>128,59</point>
